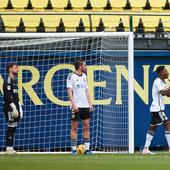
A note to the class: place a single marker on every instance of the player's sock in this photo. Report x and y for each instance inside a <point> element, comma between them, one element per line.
<point>73,144</point>
<point>10,136</point>
<point>149,137</point>
<point>167,135</point>
<point>87,143</point>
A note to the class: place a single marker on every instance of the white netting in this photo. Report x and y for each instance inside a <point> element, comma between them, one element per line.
<point>46,124</point>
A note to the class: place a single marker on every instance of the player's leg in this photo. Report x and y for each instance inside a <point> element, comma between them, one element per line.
<point>74,126</point>
<point>11,128</point>
<point>149,137</point>
<point>85,117</point>
<point>86,133</point>
<point>166,124</point>
<point>73,132</point>
<point>155,120</point>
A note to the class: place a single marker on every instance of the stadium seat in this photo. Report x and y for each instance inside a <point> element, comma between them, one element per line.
<point>78,5</point>
<point>59,5</point>
<point>50,22</point>
<point>37,6</point>
<point>118,5</point>
<point>98,5</point>
<point>157,5</point>
<point>3,5</point>
<point>31,22</point>
<point>110,22</point>
<point>166,23</point>
<point>149,22</point>
<point>19,5</point>
<point>11,22</point>
<point>72,21</point>
<point>137,5</point>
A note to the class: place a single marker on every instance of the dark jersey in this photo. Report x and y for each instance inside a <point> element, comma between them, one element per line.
<point>10,89</point>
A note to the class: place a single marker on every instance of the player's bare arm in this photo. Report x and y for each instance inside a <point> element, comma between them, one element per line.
<point>89,100</point>
<point>165,92</point>
<point>70,94</point>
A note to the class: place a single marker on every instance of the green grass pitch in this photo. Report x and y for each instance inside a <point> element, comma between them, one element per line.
<point>82,162</point>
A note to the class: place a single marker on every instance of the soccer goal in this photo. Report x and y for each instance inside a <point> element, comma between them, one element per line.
<point>45,60</point>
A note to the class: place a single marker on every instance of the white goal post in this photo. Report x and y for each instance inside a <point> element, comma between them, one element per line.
<point>45,60</point>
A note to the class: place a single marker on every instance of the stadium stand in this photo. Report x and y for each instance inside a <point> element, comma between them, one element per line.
<point>86,22</point>
<point>81,5</point>
<point>109,22</point>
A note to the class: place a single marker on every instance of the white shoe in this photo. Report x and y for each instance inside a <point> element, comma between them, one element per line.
<point>147,151</point>
<point>10,151</point>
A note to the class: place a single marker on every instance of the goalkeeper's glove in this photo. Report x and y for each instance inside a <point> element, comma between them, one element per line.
<point>15,113</point>
<point>20,110</point>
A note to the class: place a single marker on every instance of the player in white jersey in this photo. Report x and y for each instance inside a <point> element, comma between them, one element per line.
<point>81,106</point>
<point>157,109</point>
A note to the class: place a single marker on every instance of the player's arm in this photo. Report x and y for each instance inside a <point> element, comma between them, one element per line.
<point>70,95</point>
<point>165,92</point>
<point>88,97</point>
<point>70,92</point>
<point>89,100</point>
<point>9,98</point>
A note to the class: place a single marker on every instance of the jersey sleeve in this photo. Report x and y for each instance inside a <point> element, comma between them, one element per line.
<point>160,86</point>
<point>7,88</point>
<point>86,83</point>
<point>69,81</point>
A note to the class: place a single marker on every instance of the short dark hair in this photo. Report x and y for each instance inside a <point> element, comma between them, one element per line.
<point>78,63</point>
<point>159,69</point>
<point>10,65</point>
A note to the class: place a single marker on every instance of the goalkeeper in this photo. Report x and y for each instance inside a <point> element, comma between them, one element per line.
<point>81,108</point>
<point>12,107</point>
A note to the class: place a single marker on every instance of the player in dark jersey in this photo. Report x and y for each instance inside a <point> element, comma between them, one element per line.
<point>12,107</point>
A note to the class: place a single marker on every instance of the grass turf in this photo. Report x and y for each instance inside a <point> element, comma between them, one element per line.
<point>83,162</point>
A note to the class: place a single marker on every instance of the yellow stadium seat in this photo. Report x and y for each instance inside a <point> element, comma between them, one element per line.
<point>110,22</point>
<point>157,4</point>
<point>137,5</point>
<point>59,5</point>
<point>78,5</point>
<point>11,22</point>
<point>166,23</point>
<point>118,5</point>
<point>72,21</point>
<point>39,5</point>
<point>98,5</point>
<point>3,5</point>
<point>149,22</point>
<point>51,22</point>
<point>31,22</point>
<point>19,5</point>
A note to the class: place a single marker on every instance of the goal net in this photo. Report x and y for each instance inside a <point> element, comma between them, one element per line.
<point>45,60</point>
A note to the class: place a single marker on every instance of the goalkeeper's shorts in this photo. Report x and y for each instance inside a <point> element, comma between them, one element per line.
<point>83,114</point>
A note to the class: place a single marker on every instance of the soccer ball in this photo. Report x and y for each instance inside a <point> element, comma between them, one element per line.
<point>81,149</point>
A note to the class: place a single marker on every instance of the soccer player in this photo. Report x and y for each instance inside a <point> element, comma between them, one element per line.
<point>157,109</point>
<point>12,107</point>
<point>81,108</point>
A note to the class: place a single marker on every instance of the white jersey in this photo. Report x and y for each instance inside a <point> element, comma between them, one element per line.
<point>158,99</point>
<point>78,83</point>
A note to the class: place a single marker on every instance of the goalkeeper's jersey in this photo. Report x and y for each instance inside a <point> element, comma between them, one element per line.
<point>78,83</point>
<point>10,89</point>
